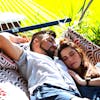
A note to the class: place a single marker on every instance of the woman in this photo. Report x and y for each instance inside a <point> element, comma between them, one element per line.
<point>85,74</point>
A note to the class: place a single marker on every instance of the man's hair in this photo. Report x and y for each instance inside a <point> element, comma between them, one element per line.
<point>40,35</point>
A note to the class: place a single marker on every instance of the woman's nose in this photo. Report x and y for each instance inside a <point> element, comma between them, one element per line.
<point>70,58</point>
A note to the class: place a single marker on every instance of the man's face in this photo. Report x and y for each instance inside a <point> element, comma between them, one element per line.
<point>48,44</point>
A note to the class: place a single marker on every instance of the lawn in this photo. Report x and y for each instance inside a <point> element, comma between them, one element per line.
<point>41,11</point>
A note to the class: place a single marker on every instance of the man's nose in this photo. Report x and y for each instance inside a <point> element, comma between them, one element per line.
<point>54,45</point>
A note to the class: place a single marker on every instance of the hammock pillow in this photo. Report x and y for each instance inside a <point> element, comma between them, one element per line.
<point>6,62</point>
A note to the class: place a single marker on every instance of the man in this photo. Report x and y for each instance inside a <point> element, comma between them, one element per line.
<point>46,79</point>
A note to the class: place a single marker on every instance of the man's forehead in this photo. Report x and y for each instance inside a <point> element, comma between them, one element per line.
<point>48,36</point>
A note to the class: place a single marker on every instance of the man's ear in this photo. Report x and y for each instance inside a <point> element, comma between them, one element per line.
<point>36,40</point>
<point>36,43</point>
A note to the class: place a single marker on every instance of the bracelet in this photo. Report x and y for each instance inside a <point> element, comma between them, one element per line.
<point>87,81</point>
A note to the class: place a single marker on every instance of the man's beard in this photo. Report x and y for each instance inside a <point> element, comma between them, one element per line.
<point>48,52</point>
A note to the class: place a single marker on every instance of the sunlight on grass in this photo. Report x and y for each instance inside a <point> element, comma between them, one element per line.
<point>41,11</point>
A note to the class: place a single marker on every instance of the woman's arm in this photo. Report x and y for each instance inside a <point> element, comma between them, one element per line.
<point>77,78</point>
<point>80,81</point>
<point>94,82</point>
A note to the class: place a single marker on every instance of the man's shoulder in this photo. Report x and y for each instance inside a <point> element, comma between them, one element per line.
<point>60,64</point>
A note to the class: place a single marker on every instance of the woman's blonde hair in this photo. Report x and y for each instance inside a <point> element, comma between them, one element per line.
<point>87,69</point>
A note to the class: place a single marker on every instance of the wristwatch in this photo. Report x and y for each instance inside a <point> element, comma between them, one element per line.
<point>87,81</point>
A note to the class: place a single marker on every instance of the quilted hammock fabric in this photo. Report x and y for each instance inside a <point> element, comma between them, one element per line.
<point>12,85</point>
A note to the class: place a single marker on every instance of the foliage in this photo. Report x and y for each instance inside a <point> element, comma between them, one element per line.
<point>89,26</point>
<point>96,31</point>
<point>41,11</point>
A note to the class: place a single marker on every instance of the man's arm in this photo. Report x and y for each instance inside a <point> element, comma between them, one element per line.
<point>15,39</point>
<point>9,48</point>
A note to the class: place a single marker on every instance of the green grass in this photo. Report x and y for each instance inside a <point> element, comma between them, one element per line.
<point>38,11</point>
<point>41,11</point>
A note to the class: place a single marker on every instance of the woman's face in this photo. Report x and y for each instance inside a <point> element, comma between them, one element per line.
<point>71,58</point>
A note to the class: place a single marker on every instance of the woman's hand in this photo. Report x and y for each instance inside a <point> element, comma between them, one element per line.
<point>77,78</point>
